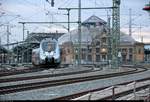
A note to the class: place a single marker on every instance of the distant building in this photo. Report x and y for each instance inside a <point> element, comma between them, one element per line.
<point>3,55</point>
<point>94,44</point>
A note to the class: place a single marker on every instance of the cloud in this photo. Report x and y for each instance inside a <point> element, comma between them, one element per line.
<point>137,35</point>
<point>25,11</point>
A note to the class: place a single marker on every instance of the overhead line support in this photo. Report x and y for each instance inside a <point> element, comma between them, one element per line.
<point>115,33</point>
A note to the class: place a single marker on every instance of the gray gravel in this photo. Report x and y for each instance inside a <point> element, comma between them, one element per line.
<point>49,71</point>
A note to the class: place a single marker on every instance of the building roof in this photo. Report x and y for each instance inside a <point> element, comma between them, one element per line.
<point>94,19</point>
<point>88,33</point>
<point>126,39</point>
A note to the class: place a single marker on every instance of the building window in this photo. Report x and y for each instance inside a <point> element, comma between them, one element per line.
<point>130,57</point>
<point>68,50</point>
<point>103,40</point>
<point>97,58</point>
<point>124,50</point>
<point>139,51</point>
<point>104,30</point>
<point>97,43</point>
<point>89,58</point>
<point>64,52</point>
<point>83,56</point>
<point>123,58</point>
<point>64,59</point>
<point>83,49</point>
<point>89,50</point>
<point>103,57</point>
<point>130,50</point>
<point>97,50</point>
<point>76,57</point>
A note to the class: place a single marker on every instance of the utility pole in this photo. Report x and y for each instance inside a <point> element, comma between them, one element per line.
<point>79,33</point>
<point>17,53</point>
<point>8,33</point>
<point>115,33</point>
<point>23,30</point>
<point>141,37</point>
<point>68,14</point>
<point>109,38</point>
<point>0,41</point>
<point>130,23</point>
<point>28,49</point>
<point>134,90</point>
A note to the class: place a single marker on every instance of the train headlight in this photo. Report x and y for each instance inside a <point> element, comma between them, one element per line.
<point>51,53</point>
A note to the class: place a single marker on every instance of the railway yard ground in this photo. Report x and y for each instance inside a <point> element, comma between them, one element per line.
<point>75,82</point>
<point>74,50</point>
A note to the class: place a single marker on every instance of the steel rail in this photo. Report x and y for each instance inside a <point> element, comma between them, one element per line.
<point>121,94</point>
<point>44,76</point>
<point>76,95</point>
<point>31,86</point>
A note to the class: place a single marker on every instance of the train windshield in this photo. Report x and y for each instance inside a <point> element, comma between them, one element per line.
<point>48,46</point>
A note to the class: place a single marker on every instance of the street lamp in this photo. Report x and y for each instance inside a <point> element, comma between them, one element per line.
<point>119,58</point>
<point>87,51</point>
<point>103,50</point>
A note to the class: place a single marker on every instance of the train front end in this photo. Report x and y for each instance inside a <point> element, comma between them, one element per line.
<point>49,52</point>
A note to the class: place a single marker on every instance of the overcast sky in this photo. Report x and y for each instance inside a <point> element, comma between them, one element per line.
<point>13,11</point>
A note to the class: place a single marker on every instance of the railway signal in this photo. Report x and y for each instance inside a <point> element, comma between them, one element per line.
<point>147,8</point>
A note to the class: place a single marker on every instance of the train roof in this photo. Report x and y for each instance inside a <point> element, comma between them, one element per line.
<point>49,39</point>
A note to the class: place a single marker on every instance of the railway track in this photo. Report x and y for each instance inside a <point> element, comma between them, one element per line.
<point>121,94</point>
<point>37,85</point>
<point>44,76</point>
<point>15,71</point>
<point>110,97</point>
<point>21,71</point>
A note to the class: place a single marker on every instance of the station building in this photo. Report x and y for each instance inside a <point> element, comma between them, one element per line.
<point>95,44</point>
